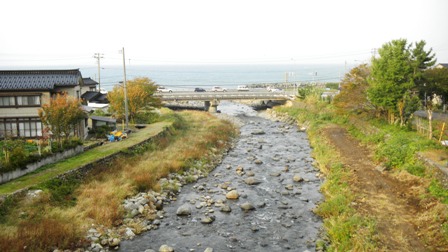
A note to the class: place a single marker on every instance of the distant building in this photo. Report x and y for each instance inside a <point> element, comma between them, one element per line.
<point>95,100</point>
<point>442,65</point>
<point>89,84</point>
<point>23,92</point>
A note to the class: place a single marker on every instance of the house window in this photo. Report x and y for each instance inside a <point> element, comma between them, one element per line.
<point>7,101</point>
<point>20,101</point>
<point>32,100</point>
<point>20,127</point>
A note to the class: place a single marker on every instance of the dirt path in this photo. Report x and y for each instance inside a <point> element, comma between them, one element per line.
<point>392,200</point>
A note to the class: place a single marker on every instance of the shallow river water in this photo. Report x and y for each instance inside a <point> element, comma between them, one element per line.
<point>283,192</point>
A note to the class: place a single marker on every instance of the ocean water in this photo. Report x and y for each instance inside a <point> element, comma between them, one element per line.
<point>187,77</point>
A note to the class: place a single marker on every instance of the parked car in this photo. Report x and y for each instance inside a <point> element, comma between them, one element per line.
<point>164,90</point>
<point>276,90</point>
<point>199,89</point>
<point>218,89</point>
<point>242,88</point>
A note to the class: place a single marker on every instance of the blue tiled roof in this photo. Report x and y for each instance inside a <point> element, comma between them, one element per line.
<point>38,79</point>
<point>89,82</point>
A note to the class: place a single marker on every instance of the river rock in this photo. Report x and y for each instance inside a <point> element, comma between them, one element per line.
<point>258,162</point>
<point>129,233</point>
<point>207,219</point>
<point>297,178</point>
<point>247,206</point>
<point>166,248</point>
<point>289,187</point>
<point>275,174</point>
<point>96,247</point>
<point>184,210</point>
<point>252,181</point>
<point>258,132</point>
<point>232,195</point>
<point>150,250</point>
<point>208,250</point>
<point>225,209</point>
<point>250,173</point>
<point>113,242</point>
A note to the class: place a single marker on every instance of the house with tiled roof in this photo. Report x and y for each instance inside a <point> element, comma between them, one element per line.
<point>23,92</point>
<point>89,84</point>
<point>442,65</point>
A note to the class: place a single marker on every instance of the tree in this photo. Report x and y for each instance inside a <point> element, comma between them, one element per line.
<point>435,81</point>
<point>431,105</point>
<point>140,98</point>
<point>421,60</point>
<point>353,95</point>
<point>394,74</point>
<point>61,115</point>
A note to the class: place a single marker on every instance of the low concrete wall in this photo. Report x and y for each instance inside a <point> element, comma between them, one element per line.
<point>5,177</point>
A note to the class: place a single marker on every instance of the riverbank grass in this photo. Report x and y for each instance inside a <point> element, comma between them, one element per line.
<point>192,140</point>
<point>52,170</point>
<point>396,150</point>
<point>346,230</point>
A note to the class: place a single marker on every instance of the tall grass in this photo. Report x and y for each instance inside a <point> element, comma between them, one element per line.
<point>44,234</point>
<point>60,217</point>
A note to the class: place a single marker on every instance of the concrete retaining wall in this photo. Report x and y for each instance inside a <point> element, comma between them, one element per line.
<point>5,177</point>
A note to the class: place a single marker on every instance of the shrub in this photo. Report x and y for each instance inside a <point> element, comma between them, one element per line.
<point>6,206</point>
<point>147,117</point>
<point>61,190</point>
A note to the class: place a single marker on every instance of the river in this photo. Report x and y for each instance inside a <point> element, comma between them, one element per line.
<point>271,169</point>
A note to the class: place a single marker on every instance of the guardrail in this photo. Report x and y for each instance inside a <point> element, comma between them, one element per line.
<point>223,96</point>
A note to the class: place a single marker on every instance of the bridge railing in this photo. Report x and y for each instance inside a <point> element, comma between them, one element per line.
<point>224,96</point>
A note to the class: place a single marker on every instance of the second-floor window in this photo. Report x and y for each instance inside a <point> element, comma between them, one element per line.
<point>20,101</point>
<point>7,101</point>
<point>28,100</point>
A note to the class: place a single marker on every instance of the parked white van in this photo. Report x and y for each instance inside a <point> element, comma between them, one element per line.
<point>242,88</point>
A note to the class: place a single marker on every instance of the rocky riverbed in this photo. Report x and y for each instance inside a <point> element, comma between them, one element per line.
<point>259,198</point>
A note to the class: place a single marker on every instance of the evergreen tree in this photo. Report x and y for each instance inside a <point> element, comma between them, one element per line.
<point>394,74</point>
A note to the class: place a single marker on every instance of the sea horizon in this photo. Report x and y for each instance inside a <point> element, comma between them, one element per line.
<point>189,76</point>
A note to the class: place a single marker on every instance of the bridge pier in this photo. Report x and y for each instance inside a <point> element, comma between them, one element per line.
<point>211,106</point>
<point>206,105</point>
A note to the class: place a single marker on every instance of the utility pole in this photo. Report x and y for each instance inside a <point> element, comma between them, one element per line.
<point>125,91</point>
<point>98,56</point>
<point>374,51</point>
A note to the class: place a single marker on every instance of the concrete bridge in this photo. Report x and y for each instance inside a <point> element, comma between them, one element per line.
<point>211,99</point>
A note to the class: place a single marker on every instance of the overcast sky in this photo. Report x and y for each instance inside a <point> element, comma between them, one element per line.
<point>55,32</point>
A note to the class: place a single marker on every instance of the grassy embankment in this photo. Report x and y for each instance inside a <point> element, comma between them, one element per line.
<point>64,212</point>
<point>348,230</point>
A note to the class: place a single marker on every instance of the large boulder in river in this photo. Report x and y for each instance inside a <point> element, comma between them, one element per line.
<point>247,206</point>
<point>232,195</point>
<point>184,210</point>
